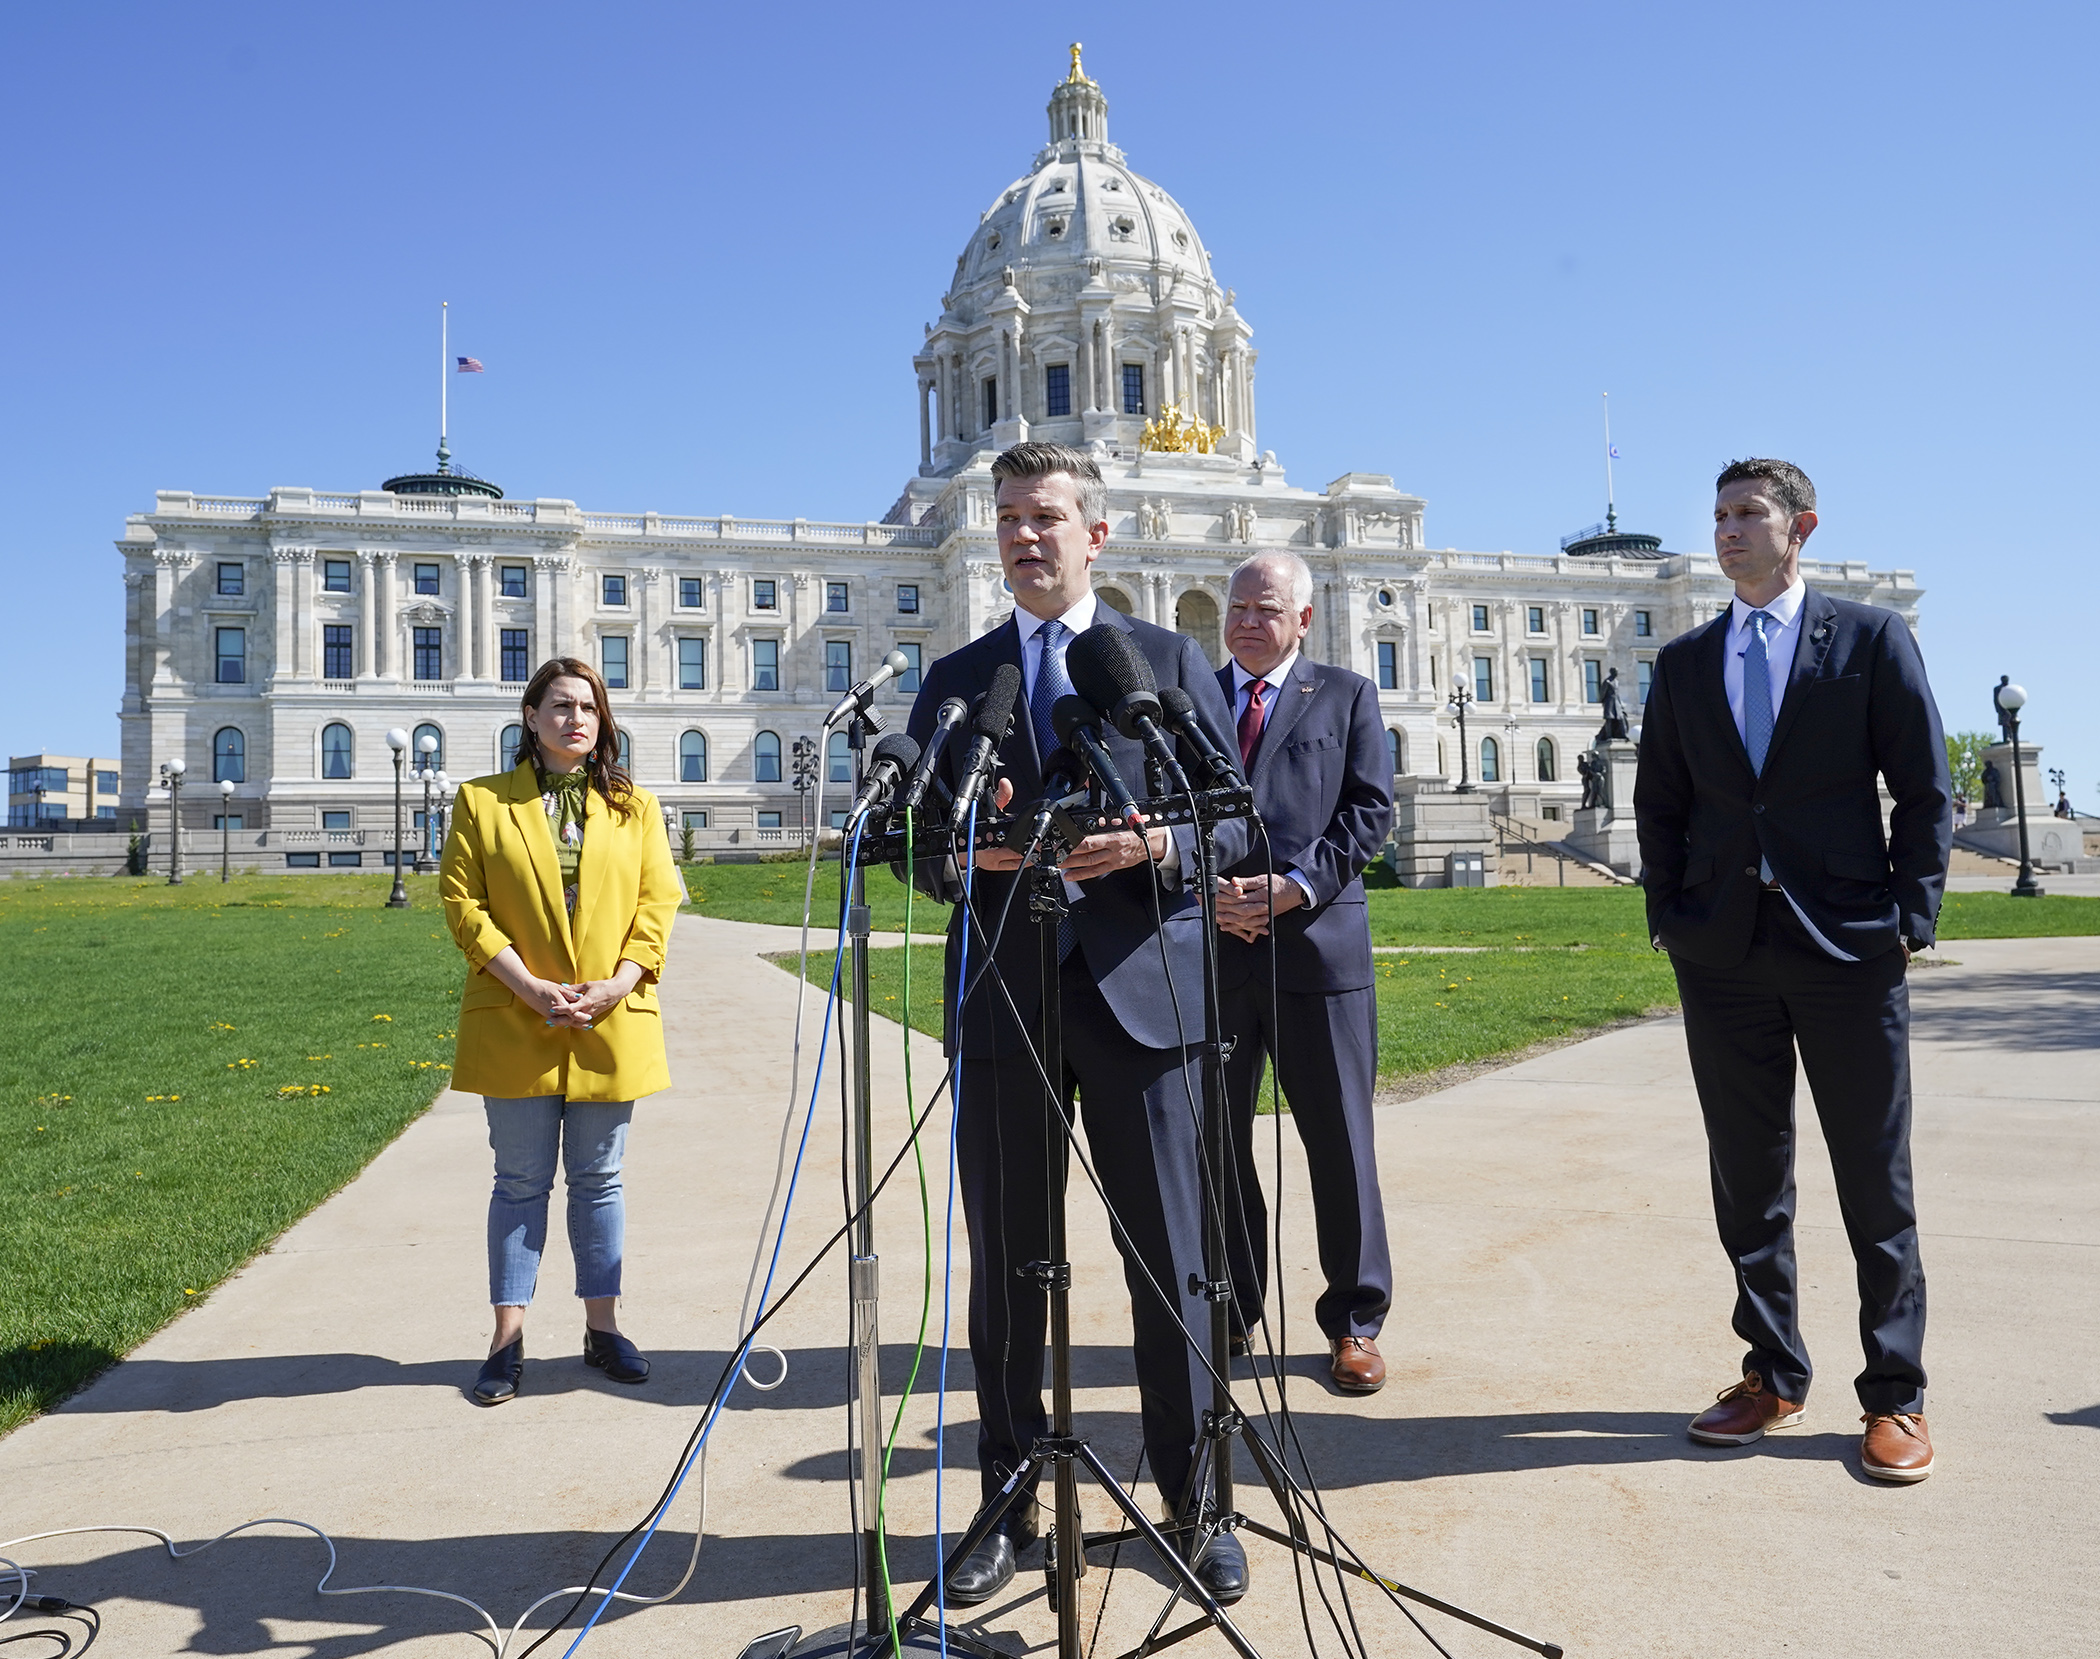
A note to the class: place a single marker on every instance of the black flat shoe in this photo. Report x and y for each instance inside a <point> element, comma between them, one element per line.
<point>989,1568</point>
<point>1222,1568</point>
<point>500,1375</point>
<point>612,1353</point>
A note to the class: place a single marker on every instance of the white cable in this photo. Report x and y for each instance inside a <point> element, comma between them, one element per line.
<point>24,1574</point>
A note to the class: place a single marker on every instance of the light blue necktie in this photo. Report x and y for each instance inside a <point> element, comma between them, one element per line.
<point>1051,683</point>
<point>1757,705</point>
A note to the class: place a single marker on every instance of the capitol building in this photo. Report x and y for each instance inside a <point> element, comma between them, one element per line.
<point>272,641</point>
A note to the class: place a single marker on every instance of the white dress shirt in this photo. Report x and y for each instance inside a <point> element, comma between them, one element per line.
<point>1782,639</point>
<point>1276,679</point>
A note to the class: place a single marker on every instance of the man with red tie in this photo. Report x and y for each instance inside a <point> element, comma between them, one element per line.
<point>1314,751</point>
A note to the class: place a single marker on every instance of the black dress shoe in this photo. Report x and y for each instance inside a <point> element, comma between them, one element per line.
<point>1222,1568</point>
<point>989,1568</point>
<point>612,1353</point>
<point>500,1375</point>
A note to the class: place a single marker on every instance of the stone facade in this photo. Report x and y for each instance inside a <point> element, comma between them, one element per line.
<point>1083,310</point>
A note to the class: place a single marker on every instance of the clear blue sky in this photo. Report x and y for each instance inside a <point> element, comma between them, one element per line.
<point>695,248</point>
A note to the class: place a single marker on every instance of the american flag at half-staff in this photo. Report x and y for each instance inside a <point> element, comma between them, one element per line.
<point>471,365</point>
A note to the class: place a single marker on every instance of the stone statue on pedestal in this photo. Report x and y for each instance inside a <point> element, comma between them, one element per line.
<point>1614,711</point>
<point>2004,714</point>
<point>1590,767</point>
<point>1993,787</point>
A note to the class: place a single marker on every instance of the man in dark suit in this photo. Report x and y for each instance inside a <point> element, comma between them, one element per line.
<point>1790,920</point>
<point>1294,965</point>
<point>1133,935</point>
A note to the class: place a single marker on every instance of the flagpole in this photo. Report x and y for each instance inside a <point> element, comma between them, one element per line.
<point>1611,512</point>
<point>444,383</point>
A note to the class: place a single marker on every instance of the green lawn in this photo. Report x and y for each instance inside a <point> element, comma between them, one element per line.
<point>188,1071</point>
<point>773,893</point>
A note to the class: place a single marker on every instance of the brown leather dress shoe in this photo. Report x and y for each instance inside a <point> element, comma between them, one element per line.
<point>1743,1413</point>
<point>1358,1367</point>
<point>1896,1447</point>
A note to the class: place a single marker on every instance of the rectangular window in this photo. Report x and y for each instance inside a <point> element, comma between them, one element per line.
<point>612,660</point>
<point>335,575</point>
<point>1389,665</point>
<point>1592,680</point>
<point>1589,621</point>
<point>337,657</point>
<point>426,578</point>
<point>909,679</point>
<point>1535,618</point>
<point>838,665</point>
<point>693,818</point>
<point>302,861</point>
<point>837,600</point>
<point>108,783</point>
<point>517,654</point>
<point>692,593</point>
<point>430,653</point>
<point>991,401</point>
<point>335,820</point>
<point>907,599</point>
<point>1480,619</point>
<point>1133,388</point>
<point>233,655</point>
<point>1057,390</point>
<point>613,590</point>
<point>232,582</point>
<point>765,665</point>
<point>345,861</point>
<point>1643,678</point>
<point>514,579</point>
<point>769,820</point>
<point>692,665</point>
<point>1538,679</point>
<point>229,821</point>
<point>765,594</point>
<point>105,812</point>
<point>1483,679</point>
<point>1643,625</point>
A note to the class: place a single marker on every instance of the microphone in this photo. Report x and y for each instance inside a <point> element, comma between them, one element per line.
<point>1181,715</point>
<point>951,715</point>
<point>892,759</point>
<point>1110,672</point>
<point>892,665</point>
<point>1074,718</point>
<point>988,729</point>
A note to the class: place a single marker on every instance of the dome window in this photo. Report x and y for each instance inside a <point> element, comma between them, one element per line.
<point>1181,239</point>
<point>1123,228</point>
<point>1053,187</point>
<point>1113,184</point>
<point>1385,597</point>
<point>1056,227</point>
<point>991,243</point>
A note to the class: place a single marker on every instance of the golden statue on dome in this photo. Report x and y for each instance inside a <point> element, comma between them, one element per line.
<point>1174,433</point>
<point>1078,77</point>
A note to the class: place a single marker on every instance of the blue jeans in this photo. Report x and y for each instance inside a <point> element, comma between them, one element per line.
<point>526,1136</point>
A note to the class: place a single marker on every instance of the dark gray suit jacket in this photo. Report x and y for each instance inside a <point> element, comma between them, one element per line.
<point>1323,785</point>
<point>1856,705</point>
<point>1115,919</point>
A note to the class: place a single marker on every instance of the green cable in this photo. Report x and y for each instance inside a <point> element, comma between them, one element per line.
<point>882,1539</point>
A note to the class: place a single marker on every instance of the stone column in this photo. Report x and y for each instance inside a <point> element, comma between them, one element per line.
<point>367,609</point>
<point>642,665</point>
<point>134,639</point>
<point>463,617</point>
<point>925,423</point>
<point>291,621</point>
<point>387,644</point>
<point>485,614</point>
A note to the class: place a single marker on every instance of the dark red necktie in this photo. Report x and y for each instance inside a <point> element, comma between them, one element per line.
<point>1251,722</point>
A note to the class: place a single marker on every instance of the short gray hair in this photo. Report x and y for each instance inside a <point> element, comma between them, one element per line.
<point>1033,460</point>
<point>1273,558</point>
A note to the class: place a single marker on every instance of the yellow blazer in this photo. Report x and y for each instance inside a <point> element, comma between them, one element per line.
<point>502,886</point>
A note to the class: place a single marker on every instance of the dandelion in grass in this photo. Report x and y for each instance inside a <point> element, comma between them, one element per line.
<point>388,1018</point>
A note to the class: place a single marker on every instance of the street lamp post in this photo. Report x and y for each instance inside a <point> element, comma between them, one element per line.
<point>443,821</point>
<point>397,740</point>
<point>1461,700</point>
<point>225,829</point>
<point>426,774</point>
<point>2012,699</point>
<point>172,770</point>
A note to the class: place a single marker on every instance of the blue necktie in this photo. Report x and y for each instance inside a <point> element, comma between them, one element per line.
<point>1757,705</point>
<point>1051,683</point>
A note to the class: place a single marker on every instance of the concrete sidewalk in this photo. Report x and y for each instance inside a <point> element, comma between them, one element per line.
<point>1562,1311</point>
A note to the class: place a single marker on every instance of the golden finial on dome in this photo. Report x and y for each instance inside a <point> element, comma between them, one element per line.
<point>1078,75</point>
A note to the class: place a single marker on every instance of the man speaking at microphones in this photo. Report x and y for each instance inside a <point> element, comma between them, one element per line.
<point>1131,944</point>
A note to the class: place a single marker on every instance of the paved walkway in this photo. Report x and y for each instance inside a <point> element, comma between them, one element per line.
<point>1562,1311</point>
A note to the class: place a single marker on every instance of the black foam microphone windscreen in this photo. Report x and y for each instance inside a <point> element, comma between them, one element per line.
<point>1106,667</point>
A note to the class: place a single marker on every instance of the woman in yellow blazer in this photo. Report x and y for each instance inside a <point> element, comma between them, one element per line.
<point>559,887</point>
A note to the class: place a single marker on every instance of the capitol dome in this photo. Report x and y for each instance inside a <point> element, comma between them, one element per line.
<point>1082,306</point>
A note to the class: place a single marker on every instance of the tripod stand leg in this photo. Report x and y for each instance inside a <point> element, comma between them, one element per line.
<point>1019,1485</point>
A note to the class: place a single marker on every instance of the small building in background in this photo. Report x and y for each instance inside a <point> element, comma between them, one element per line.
<point>61,790</point>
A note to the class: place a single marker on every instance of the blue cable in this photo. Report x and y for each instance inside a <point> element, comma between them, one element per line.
<point>838,958</point>
<point>940,1409</point>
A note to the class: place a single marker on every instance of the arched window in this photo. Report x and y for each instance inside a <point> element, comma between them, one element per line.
<point>1396,750</point>
<point>229,756</point>
<point>626,753</point>
<point>838,759</point>
<point>765,758</point>
<point>1196,615</point>
<point>338,752</point>
<point>692,757</point>
<point>1116,600</point>
<point>435,760</point>
<point>1547,771</point>
<point>1490,761</point>
<point>507,746</point>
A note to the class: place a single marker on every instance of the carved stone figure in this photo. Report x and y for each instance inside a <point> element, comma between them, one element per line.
<point>1993,787</point>
<point>1614,711</point>
<point>2004,715</point>
<point>1591,769</point>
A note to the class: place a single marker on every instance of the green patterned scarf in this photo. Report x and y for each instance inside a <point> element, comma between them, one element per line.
<point>562,794</point>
